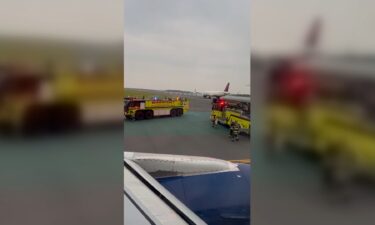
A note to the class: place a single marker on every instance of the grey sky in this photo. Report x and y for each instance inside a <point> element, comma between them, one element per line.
<point>195,44</point>
<point>281,25</point>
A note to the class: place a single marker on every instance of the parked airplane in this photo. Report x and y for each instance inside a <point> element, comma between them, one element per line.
<point>173,189</point>
<point>212,94</point>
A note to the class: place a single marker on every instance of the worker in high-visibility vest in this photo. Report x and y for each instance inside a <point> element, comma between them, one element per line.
<point>235,131</point>
<point>214,121</point>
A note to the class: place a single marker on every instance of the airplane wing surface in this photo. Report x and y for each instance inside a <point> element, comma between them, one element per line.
<point>147,202</point>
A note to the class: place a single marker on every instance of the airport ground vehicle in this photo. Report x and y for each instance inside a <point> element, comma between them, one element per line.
<point>343,141</point>
<point>346,141</point>
<point>232,108</point>
<point>33,101</point>
<point>140,109</point>
<point>337,125</point>
<point>175,189</point>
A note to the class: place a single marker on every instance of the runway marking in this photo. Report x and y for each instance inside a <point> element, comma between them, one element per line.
<point>245,161</point>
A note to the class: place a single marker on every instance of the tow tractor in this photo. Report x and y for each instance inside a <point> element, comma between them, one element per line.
<point>38,101</point>
<point>324,119</point>
<point>232,108</point>
<point>139,109</point>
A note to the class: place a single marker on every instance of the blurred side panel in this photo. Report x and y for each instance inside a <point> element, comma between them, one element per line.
<point>61,93</point>
<point>313,78</point>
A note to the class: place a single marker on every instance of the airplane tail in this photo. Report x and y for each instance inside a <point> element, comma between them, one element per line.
<point>313,35</point>
<point>226,88</point>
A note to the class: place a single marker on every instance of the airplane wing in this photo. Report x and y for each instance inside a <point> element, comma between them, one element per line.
<point>146,202</point>
<point>175,189</point>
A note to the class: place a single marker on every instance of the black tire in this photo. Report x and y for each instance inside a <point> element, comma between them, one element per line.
<point>64,117</point>
<point>173,112</point>
<point>149,114</point>
<point>180,112</point>
<point>35,120</point>
<point>6,129</point>
<point>139,115</point>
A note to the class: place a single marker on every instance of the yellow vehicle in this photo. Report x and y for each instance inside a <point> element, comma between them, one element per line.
<point>343,140</point>
<point>230,108</point>
<point>140,109</point>
<point>346,140</point>
<point>337,125</point>
<point>34,101</point>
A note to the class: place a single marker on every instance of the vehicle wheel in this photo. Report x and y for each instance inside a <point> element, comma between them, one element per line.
<point>173,112</point>
<point>139,115</point>
<point>149,115</point>
<point>180,112</point>
<point>6,129</point>
<point>64,117</point>
<point>35,120</point>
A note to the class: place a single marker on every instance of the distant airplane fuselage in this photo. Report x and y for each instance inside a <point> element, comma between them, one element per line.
<point>216,94</point>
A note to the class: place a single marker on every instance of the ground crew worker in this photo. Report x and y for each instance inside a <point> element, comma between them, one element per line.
<point>231,129</point>
<point>214,120</point>
<point>235,131</point>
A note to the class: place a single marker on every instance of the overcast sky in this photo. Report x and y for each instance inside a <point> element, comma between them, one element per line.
<point>187,45</point>
<point>281,25</point>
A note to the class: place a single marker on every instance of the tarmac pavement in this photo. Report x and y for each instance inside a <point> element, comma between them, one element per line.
<point>190,134</point>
